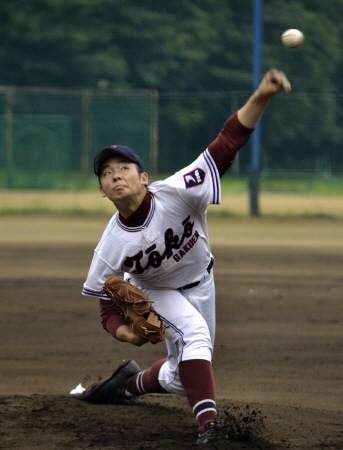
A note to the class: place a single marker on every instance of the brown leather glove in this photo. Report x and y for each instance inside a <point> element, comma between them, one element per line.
<point>135,308</point>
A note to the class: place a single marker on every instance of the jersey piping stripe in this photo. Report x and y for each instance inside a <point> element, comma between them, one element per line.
<point>145,224</point>
<point>174,328</point>
<point>214,176</point>
<point>91,292</point>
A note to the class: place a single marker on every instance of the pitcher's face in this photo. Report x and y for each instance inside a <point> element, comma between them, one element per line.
<point>120,180</point>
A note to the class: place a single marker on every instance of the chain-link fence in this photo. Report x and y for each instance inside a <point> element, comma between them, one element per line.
<point>48,137</point>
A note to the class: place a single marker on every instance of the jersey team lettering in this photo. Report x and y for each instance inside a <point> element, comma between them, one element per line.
<point>172,241</point>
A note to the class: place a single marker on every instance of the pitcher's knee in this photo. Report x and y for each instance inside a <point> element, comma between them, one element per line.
<point>197,344</point>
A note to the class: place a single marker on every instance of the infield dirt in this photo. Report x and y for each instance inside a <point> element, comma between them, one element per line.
<point>278,360</point>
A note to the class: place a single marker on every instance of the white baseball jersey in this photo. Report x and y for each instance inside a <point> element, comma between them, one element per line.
<point>171,249</point>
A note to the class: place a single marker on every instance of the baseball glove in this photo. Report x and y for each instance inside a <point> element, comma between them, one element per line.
<point>135,308</point>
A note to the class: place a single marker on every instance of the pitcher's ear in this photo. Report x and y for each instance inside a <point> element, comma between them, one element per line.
<point>102,192</point>
<point>144,178</point>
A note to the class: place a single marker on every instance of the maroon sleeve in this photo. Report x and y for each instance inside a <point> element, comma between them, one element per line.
<point>224,148</point>
<point>111,318</point>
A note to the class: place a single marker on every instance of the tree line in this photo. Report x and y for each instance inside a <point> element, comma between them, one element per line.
<point>180,46</point>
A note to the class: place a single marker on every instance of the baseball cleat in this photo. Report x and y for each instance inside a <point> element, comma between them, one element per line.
<point>112,389</point>
<point>215,430</point>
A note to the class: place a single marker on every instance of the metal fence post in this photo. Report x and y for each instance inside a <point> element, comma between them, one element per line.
<point>9,138</point>
<point>154,135</point>
<point>86,132</point>
<point>256,138</point>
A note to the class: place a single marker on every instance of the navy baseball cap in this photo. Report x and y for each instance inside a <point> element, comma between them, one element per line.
<point>115,150</point>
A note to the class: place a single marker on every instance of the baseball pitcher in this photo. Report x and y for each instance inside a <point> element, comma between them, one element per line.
<point>152,270</point>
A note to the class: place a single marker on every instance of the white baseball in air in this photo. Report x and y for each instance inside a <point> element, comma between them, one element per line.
<point>292,38</point>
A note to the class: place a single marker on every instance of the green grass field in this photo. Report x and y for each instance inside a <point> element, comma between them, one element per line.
<point>294,196</point>
<point>311,184</point>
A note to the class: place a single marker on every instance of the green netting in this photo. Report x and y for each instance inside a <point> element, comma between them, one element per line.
<point>125,120</point>
<point>48,137</point>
